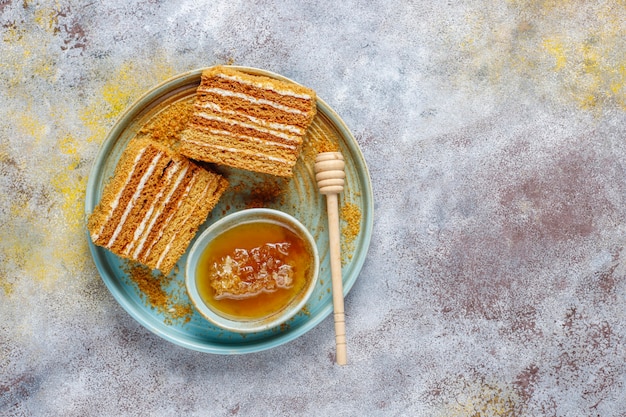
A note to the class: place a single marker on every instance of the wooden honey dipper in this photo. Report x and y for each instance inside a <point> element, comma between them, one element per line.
<point>330,177</point>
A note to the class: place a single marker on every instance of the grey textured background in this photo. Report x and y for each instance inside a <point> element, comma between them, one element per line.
<point>494,135</point>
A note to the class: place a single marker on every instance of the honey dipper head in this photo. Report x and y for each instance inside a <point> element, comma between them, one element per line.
<point>329,172</point>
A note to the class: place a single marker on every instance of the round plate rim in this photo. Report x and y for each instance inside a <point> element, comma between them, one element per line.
<point>161,329</point>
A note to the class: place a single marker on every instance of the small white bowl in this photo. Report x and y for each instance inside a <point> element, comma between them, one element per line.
<point>276,318</point>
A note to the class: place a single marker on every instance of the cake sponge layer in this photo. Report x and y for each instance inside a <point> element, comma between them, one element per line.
<point>153,205</point>
<point>250,122</point>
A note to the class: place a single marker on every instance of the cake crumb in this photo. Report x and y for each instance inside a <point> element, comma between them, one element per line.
<point>320,138</point>
<point>167,126</point>
<point>272,190</point>
<point>351,215</point>
<point>152,289</point>
<point>150,286</point>
<point>180,312</point>
<point>326,145</point>
<point>305,311</point>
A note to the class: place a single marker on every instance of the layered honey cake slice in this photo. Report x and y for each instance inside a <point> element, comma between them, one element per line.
<point>152,207</point>
<point>247,121</point>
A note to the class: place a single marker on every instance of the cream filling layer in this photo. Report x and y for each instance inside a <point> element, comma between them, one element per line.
<point>139,237</point>
<point>191,212</point>
<point>244,151</point>
<point>116,201</point>
<point>219,132</point>
<point>167,199</point>
<point>169,218</point>
<point>265,86</point>
<point>253,100</point>
<point>270,127</point>
<point>133,200</point>
<point>180,202</point>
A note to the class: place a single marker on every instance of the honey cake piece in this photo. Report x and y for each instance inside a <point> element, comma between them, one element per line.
<point>248,121</point>
<point>152,207</point>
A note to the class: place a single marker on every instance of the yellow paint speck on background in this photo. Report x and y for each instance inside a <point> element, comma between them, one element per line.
<point>59,128</point>
<point>47,18</point>
<point>555,48</point>
<point>125,84</point>
<point>566,49</point>
<point>31,126</point>
<point>484,400</point>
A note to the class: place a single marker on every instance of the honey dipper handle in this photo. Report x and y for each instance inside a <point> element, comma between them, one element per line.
<point>330,175</point>
<point>332,205</point>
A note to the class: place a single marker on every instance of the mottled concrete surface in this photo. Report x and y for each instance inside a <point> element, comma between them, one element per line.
<point>494,132</point>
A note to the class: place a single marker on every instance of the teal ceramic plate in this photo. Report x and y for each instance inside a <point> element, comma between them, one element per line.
<point>298,196</point>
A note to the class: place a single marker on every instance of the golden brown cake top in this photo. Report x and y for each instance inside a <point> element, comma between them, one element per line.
<point>260,81</point>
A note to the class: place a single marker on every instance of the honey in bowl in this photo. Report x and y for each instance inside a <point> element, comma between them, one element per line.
<point>253,270</point>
